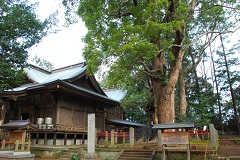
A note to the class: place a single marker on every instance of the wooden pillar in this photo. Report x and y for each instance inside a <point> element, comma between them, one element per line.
<point>159,138</point>
<point>65,139</point>
<point>124,138</point>
<point>115,137</point>
<point>83,139</point>
<point>57,115</point>
<point>54,138</point>
<point>37,138</point>
<point>75,139</point>
<point>45,138</point>
<point>106,138</point>
<point>112,137</point>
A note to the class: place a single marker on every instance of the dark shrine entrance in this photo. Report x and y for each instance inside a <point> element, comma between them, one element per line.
<point>25,116</point>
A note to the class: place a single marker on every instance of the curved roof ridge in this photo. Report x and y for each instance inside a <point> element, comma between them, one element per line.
<point>38,75</point>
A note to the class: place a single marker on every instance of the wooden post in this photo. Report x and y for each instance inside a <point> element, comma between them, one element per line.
<point>65,139</point>
<point>3,144</point>
<point>124,138</point>
<point>96,137</point>
<point>159,138</point>
<point>37,138</point>
<point>54,138</point>
<point>45,138</point>
<point>16,145</point>
<point>22,146</point>
<point>115,138</point>
<point>75,139</point>
<point>28,147</point>
<point>112,137</point>
<point>106,138</point>
<point>83,139</point>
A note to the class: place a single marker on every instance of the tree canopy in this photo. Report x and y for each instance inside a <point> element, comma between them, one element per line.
<point>20,30</point>
<point>148,41</point>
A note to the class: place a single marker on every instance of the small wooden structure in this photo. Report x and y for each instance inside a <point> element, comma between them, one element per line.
<point>17,139</point>
<point>172,139</point>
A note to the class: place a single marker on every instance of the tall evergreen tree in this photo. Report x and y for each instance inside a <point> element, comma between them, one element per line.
<point>228,76</point>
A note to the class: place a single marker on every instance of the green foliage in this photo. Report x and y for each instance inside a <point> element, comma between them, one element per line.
<point>20,30</point>
<point>201,102</point>
<point>74,157</point>
<point>43,63</point>
<point>130,39</point>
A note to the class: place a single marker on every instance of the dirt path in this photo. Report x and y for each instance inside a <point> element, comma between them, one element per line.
<point>229,148</point>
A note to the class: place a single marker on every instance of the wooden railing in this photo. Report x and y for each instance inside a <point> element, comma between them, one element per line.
<point>70,128</point>
<point>22,146</point>
<point>116,134</point>
<point>107,135</point>
<point>7,145</point>
<point>198,134</point>
<point>17,146</point>
<point>60,127</point>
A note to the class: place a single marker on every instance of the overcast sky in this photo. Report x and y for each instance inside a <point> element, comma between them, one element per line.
<point>63,48</point>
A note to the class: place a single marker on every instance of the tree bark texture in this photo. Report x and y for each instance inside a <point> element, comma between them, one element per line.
<point>163,93</point>
<point>183,100</point>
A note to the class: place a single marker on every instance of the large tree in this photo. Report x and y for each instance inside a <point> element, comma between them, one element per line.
<point>149,39</point>
<point>20,30</point>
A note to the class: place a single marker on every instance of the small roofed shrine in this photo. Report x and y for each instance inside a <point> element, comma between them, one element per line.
<point>58,102</point>
<point>17,141</point>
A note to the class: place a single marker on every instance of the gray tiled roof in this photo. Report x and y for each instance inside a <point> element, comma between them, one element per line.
<point>40,77</point>
<point>17,124</point>
<point>174,125</point>
<point>124,122</point>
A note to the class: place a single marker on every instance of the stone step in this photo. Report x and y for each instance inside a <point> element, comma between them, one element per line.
<point>138,153</point>
<point>135,155</point>
<point>63,158</point>
<point>67,154</point>
<point>133,158</point>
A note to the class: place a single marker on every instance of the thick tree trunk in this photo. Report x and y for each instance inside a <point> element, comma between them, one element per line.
<point>164,82</point>
<point>183,100</point>
<point>163,93</point>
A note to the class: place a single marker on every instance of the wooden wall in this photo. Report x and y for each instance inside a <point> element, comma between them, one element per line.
<point>64,109</point>
<point>72,111</point>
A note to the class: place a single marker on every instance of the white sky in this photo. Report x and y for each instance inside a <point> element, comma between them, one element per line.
<point>63,48</point>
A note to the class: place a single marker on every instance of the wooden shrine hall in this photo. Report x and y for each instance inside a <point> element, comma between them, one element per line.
<point>58,103</point>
